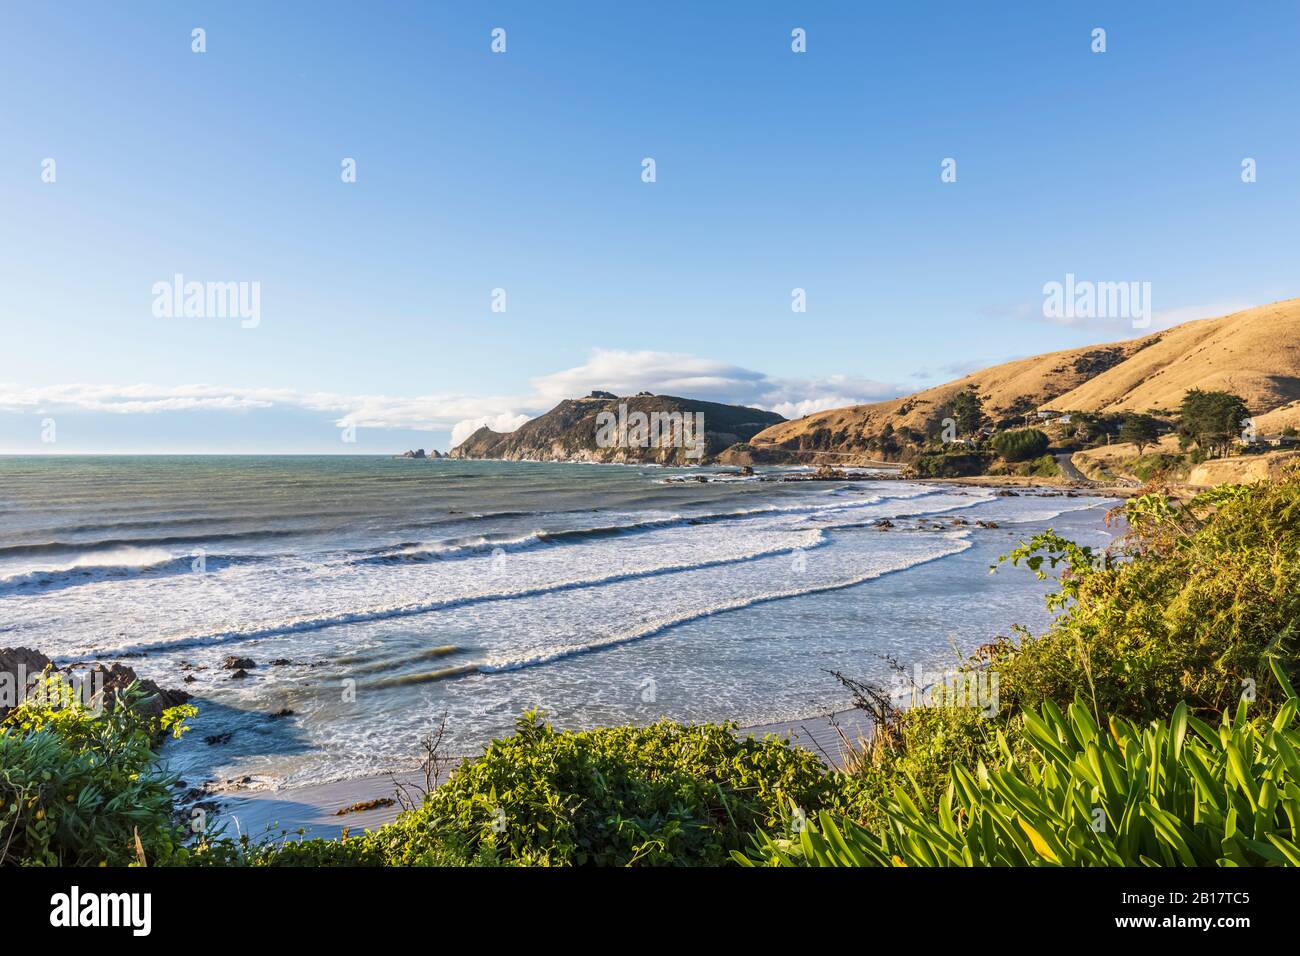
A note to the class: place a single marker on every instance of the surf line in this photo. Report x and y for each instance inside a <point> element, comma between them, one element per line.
<point>412,610</point>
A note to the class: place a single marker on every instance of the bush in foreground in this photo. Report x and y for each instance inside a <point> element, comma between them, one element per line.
<point>80,786</point>
<point>1173,793</point>
<point>659,795</point>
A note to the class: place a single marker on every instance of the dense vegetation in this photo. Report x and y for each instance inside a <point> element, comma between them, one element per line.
<point>1175,792</point>
<point>1021,445</point>
<point>1213,421</point>
<point>79,785</point>
<point>1153,722</point>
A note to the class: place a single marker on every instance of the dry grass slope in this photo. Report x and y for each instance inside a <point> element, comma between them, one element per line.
<point>1255,353</point>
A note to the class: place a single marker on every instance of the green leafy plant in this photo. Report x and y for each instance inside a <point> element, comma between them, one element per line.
<point>1190,604</point>
<point>1173,793</point>
<point>658,795</point>
<point>80,786</point>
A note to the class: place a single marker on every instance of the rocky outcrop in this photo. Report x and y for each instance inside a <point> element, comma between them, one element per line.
<point>20,666</point>
<point>117,677</point>
<point>658,429</point>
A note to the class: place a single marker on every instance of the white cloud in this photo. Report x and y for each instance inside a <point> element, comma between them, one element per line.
<point>668,373</point>
<point>621,372</point>
<point>505,422</point>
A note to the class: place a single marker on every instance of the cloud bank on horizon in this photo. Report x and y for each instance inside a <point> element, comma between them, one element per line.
<point>618,371</point>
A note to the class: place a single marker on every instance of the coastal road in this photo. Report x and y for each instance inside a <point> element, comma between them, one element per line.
<point>1066,464</point>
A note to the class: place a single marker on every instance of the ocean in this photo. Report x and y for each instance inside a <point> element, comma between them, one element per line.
<point>376,594</point>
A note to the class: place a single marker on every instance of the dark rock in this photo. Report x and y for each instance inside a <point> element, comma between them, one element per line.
<point>99,684</point>
<point>117,677</point>
<point>282,712</point>
<point>217,739</point>
<point>238,663</point>
<point>239,674</point>
<point>281,662</point>
<point>20,666</point>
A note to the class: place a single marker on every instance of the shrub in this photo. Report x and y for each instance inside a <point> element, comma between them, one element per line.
<point>366,849</point>
<point>1197,599</point>
<point>919,745</point>
<point>1175,793</point>
<point>1021,445</point>
<point>1044,466</point>
<point>1147,467</point>
<point>81,787</point>
<point>663,794</point>
<point>949,465</point>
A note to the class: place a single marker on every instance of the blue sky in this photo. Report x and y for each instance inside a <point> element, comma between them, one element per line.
<point>522,171</point>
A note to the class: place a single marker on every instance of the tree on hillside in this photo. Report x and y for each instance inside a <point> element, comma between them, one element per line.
<point>964,410</point>
<point>1212,421</point>
<point>888,443</point>
<point>967,411</point>
<point>1140,430</point>
<point>1021,445</point>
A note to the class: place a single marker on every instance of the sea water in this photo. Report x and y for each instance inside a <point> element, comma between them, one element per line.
<point>376,595</point>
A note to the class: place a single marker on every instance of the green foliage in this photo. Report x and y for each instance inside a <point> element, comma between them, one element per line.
<point>1213,421</point>
<point>369,849</point>
<point>1197,599</point>
<point>1021,445</point>
<point>967,411</point>
<point>1174,793</point>
<point>80,786</point>
<point>659,795</point>
<point>949,464</point>
<point>1147,467</point>
<point>919,746</point>
<point>1044,466</point>
<point>1047,546</point>
<point>1140,430</point>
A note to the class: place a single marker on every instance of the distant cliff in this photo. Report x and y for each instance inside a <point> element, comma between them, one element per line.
<point>659,429</point>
